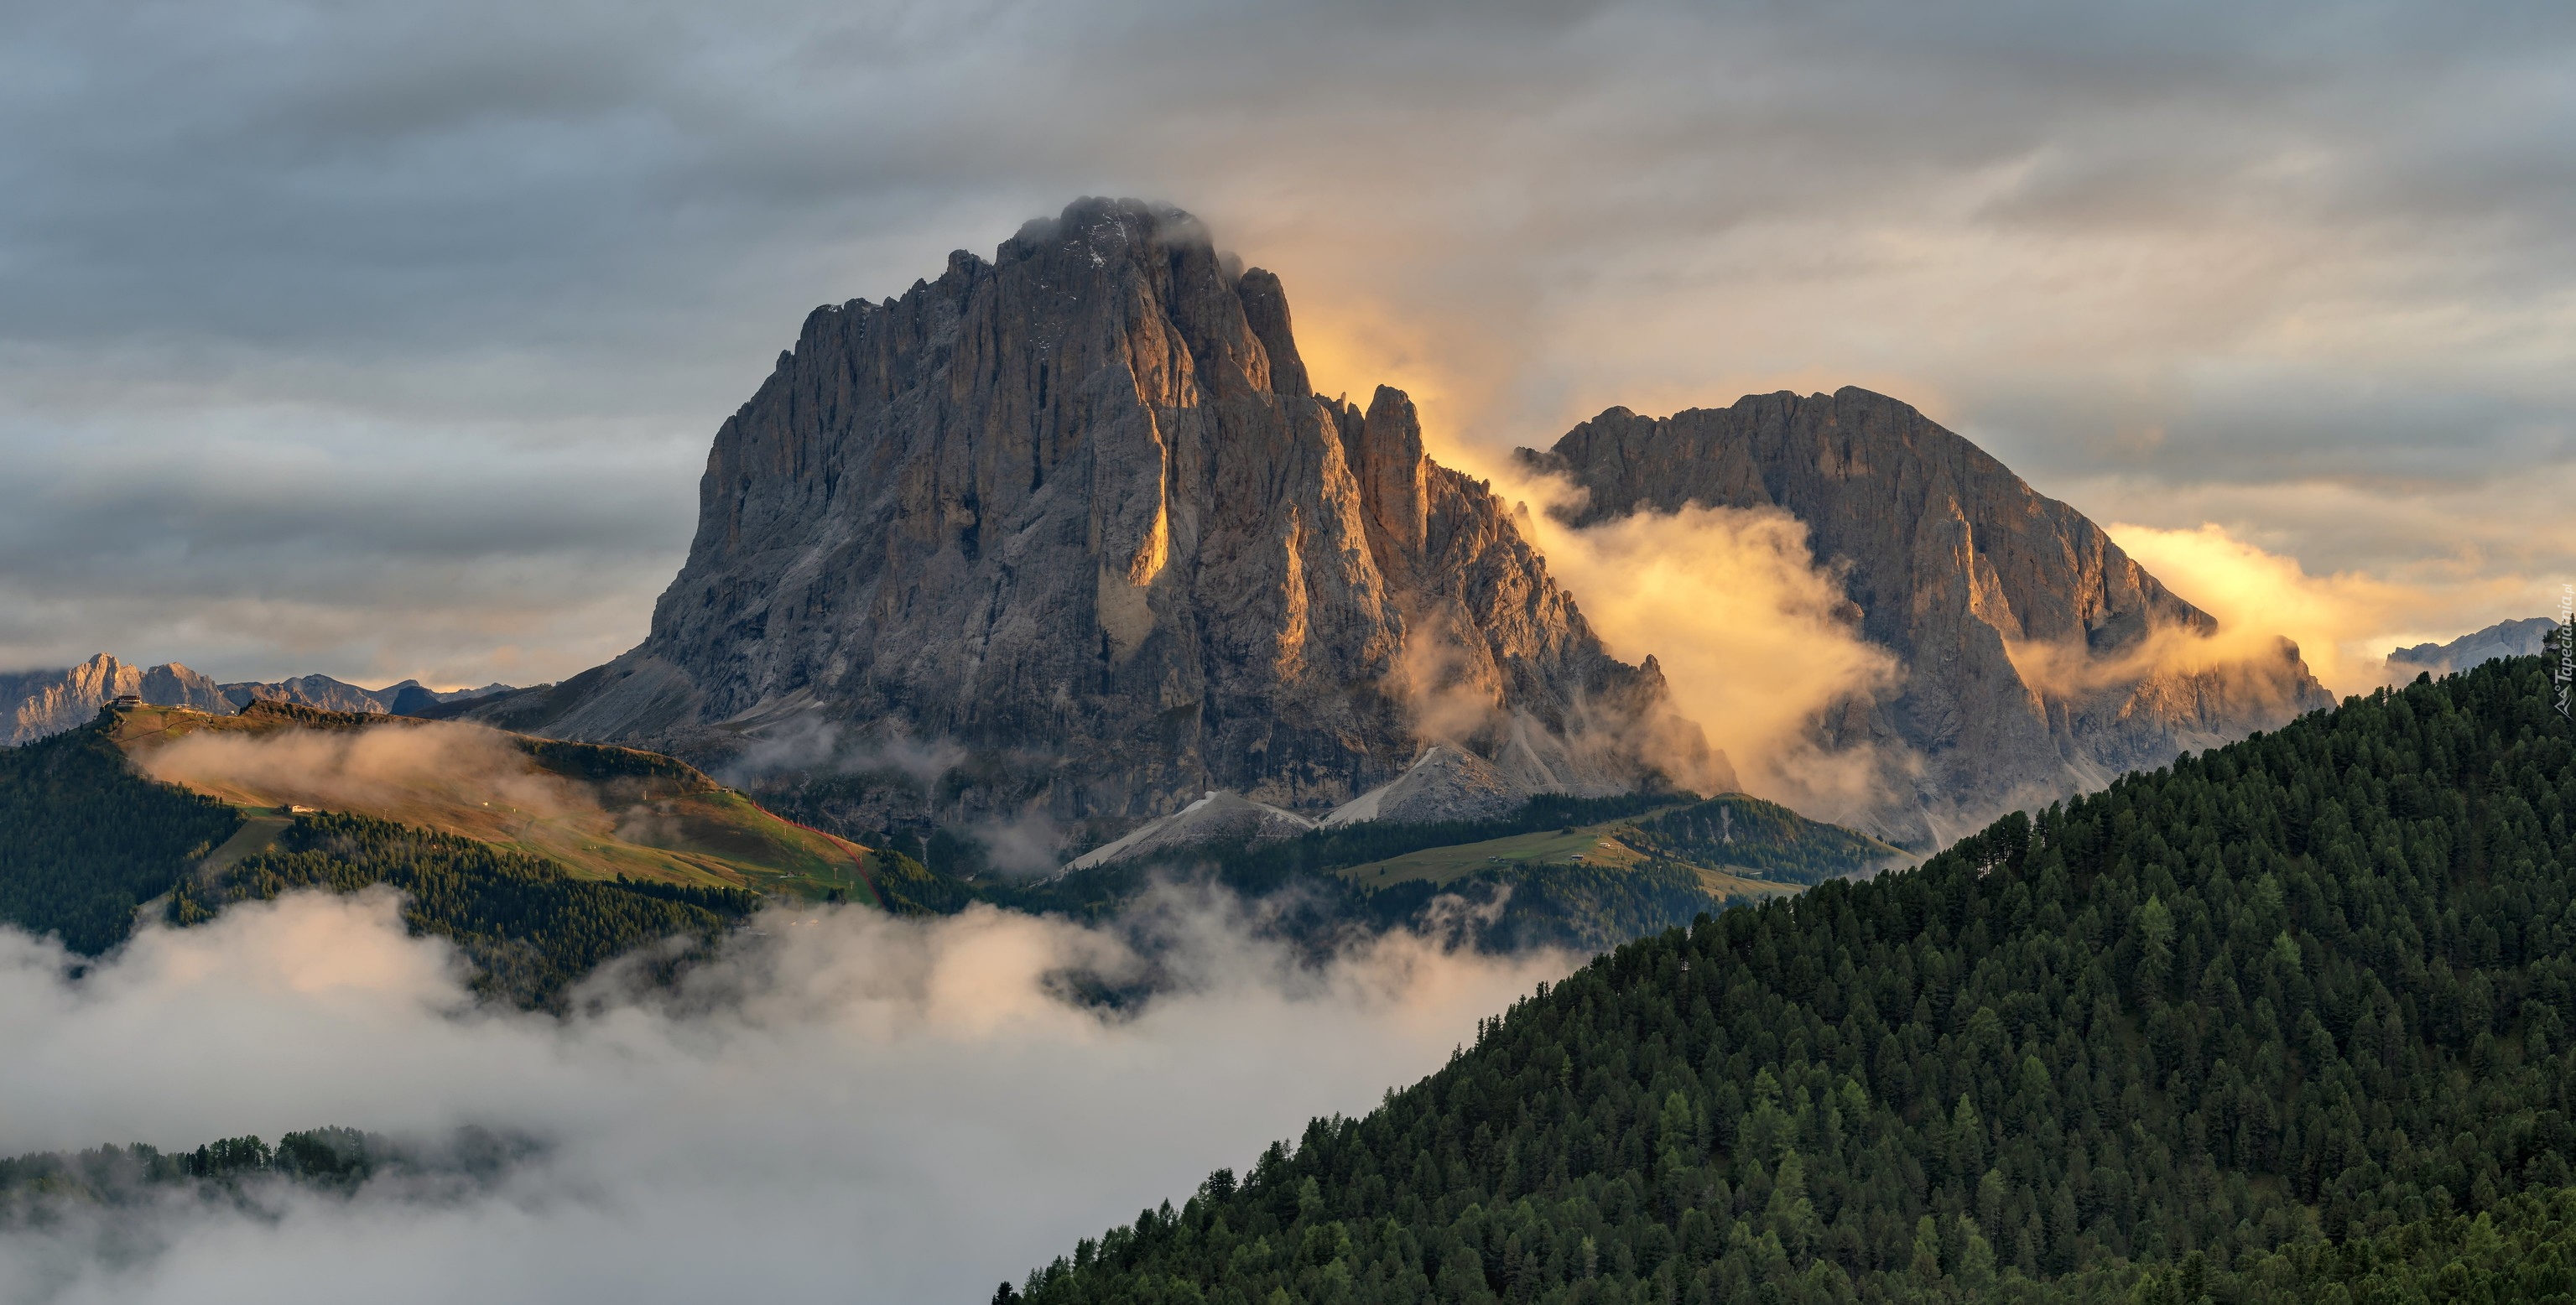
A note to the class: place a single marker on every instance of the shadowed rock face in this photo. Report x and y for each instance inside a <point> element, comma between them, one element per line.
<point>1973,579</point>
<point>1076,510</point>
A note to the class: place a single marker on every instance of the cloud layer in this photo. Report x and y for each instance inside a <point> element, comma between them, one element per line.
<point>385,341</point>
<point>847,1107</point>
<point>2345,624</point>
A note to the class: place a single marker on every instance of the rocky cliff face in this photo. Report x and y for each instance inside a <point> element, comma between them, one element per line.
<point>2034,649</point>
<point>1076,512</point>
<point>46,702</point>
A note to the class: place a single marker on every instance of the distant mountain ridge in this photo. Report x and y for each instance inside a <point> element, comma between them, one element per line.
<point>2026,635</point>
<point>46,702</point>
<point>2503,639</point>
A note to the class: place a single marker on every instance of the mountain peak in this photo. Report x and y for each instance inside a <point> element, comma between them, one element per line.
<point>1077,512</point>
<point>1959,567</point>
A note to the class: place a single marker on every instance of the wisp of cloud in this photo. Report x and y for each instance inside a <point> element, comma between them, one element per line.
<point>1755,638</point>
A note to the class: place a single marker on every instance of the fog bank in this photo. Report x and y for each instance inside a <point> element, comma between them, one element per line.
<point>845,1107</point>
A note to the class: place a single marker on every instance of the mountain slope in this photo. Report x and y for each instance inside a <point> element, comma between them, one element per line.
<point>2035,651</point>
<point>2312,984</point>
<point>1076,512</point>
<point>595,812</point>
<point>320,691</point>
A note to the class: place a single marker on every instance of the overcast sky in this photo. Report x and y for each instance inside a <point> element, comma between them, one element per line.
<point>387,340</point>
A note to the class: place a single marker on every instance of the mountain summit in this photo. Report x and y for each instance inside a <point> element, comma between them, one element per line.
<point>1077,512</point>
<point>2039,659</point>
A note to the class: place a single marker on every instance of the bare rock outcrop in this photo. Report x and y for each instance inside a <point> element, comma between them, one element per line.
<point>2039,658</point>
<point>1075,511</point>
<point>1216,818</point>
<point>1444,783</point>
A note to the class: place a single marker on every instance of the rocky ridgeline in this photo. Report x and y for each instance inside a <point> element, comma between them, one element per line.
<point>43,702</point>
<point>46,702</point>
<point>2521,638</point>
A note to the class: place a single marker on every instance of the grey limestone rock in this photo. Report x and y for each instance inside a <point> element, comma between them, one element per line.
<point>1216,818</point>
<point>1075,510</point>
<point>1964,572</point>
<point>1444,783</point>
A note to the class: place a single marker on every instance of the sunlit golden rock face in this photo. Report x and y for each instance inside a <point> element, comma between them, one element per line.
<point>1075,510</point>
<point>2038,658</point>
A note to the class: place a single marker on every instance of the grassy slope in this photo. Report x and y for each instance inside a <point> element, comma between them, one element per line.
<point>638,851</point>
<point>1593,845</point>
<point>1668,863</point>
<point>626,814</point>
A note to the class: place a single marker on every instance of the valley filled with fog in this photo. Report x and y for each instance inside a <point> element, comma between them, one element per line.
<point>845,1107</point>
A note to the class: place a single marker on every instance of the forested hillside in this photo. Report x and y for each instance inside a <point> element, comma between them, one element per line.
<point>84,840</point>
<point>530,929</point>
<point>2249,1026</point>
<point>1742,831</point>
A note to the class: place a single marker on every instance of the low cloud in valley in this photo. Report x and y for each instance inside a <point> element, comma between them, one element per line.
<point>845,1107</point>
